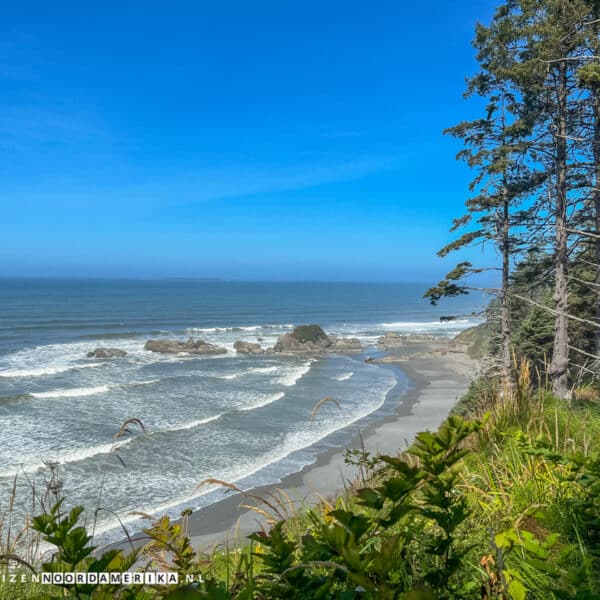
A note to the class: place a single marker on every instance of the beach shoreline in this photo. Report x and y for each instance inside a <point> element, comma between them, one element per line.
<point>439,375</point>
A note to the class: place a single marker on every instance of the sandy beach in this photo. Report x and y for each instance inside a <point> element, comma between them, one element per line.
<point>439,375</point>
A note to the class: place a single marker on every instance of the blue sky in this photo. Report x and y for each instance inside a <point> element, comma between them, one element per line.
<point>242,140</point>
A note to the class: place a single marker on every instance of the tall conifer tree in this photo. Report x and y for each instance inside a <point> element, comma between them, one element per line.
<point>548,33</point>
<point>589,79</point>
<point>495,146</point>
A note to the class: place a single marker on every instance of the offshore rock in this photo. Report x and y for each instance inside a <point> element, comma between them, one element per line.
<point>191,346</point>
<point>247,348</point>
<point>311,339</point>
<point>304,339</point>
<point>106,353</point>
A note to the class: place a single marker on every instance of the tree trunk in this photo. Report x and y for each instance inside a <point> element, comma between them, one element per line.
<point>560,355</point>
<point>505,311</point>
<point>596,193</point>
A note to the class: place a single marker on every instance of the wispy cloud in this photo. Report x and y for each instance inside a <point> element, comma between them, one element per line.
<point>20,125</point>
<point>34,109</point>
<point>238,181</point>
<point>148,192</point>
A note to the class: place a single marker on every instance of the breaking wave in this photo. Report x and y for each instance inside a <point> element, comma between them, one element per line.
<point>265,401</point>
<point>73,392</point>
<point>343,376</point>
<point>65,457</point>
<point>42,371</point>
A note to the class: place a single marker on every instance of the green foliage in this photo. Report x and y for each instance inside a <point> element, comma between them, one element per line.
<point>444,289</point>
<point>465,240</point>
<point>534,335</point>
<point>477,340</point>
<point>74,554</point>
<point>589,76</point>
<point>507,506</point>
<point>365,550</point>
<point>480,396</point>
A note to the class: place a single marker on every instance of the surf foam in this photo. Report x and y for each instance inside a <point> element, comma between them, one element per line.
<point>263,402</point>
<point>40,372</point>
<point>343,376</point>
<point>192,424</point>
<point>295,374</point>
<point>66,456</point>
<point>72,393</point>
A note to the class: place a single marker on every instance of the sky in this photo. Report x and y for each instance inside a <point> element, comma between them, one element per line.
<point>238,140</point>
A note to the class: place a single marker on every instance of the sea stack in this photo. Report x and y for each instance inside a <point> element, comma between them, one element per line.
<point>191,346</point>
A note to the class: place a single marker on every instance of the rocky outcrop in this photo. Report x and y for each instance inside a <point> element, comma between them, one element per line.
<point>473,341</point>
<point>191,346</point>
<point>247,348</point>
<point>106,353</point>
<point>304,339</point>
<point>311,339</point>
<point>345,344</point>
<point>458,347</point>
<point>390,340</point>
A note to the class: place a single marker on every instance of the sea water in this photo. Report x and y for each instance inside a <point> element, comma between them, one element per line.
<point>247,420</point>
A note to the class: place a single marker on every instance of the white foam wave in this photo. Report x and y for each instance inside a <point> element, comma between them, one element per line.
<point>292,377</point>
<point>293,442</point>
<point>192,424</point>
<point>229,329</point>
<point>264,369</point>
<point>41,371</point>
<point>265,401</point>
<point>80,454</point>
<point>343,376</point>
<point>145,382</point>
<point>73,392</point>
<point>65,457</point>
<point>417,325</point>
<point>259,370</point>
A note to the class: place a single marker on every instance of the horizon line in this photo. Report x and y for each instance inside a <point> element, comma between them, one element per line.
<point>198,279</point>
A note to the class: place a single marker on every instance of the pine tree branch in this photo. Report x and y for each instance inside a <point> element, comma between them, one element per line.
<point>580,351</point>
<point>583,368</point>
<point>555,312</point>
<point>587,262</point>
<point>586,233</point>
<point>590,283</point>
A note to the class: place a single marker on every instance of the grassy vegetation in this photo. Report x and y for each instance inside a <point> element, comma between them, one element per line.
<point>503,505</point>
<point>476,340</point>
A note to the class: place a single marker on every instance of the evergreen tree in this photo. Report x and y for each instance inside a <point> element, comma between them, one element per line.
<point>589,79</point>
<point>548,35</point>
<point>495,146</point>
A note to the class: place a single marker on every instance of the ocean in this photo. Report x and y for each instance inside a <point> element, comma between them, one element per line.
<point>241,419</point>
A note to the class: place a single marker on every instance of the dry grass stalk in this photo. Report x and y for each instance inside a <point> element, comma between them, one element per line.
<point>320,403</point>
<point>7,558</point>
<point>123,430</point>
<point>280,506</point>
<point>143,515</point>
<point>213,481</point>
